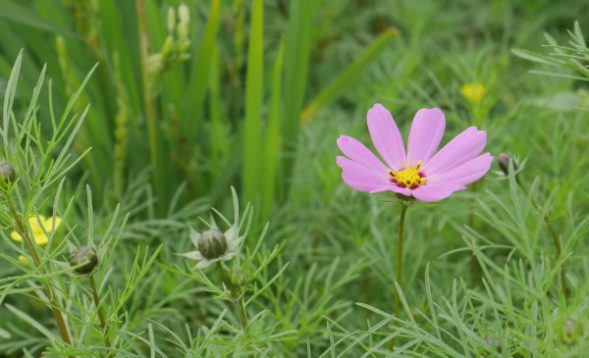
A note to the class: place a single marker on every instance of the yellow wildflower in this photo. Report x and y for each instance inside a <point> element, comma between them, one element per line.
<point>473,92</point>
<point>40,227</point>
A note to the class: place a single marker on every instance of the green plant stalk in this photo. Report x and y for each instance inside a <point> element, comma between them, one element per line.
<point>236,295</point>
<point>399,272</point>
<point>553,235</point>
<point>197,87</point>
<point>253,104</point>
<point>57,314</point>
<point>475,268</point>
<point>272,137</point>
<point>102,321</point>
<point>149,105</point>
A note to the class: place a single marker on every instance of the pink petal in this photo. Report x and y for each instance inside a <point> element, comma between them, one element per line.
<point>464,174</point>
<point>394,189</point>
<point>357,152</point>
<point>361,177</point>
<point>385,136</point>
<point>425,135</point>
<point>462,148</point>
<point>435,192</point>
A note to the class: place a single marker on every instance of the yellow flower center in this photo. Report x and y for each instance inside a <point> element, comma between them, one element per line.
<point>409,177</point>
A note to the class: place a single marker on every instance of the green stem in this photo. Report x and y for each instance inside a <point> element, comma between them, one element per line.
<point>475,268</point>
<point>553,235</point>
<point>152,131</point>
<point>102,321</point>
<point>400,232</point>
<point>236,295</point>
<point>399,272</point>
<point>53,303</point>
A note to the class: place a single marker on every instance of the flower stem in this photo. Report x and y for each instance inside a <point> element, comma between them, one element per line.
<point>399,271</point>
<point>53,301</point>
<point>475,268</point>
<point>553,235</point>
<point>400,232</point>
<point>102,321</point>
<point>236,295</point>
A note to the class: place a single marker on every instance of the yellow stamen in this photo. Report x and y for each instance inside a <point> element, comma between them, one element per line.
<point>409,177</point>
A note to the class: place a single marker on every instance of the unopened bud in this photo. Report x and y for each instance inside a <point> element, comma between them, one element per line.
<point>171,20</point>
<point>84,259</point>
<point>212,244</point>
<point>184,18</point>
<point>503,161</point>
<point>7,172</point>
<point>183,13</point>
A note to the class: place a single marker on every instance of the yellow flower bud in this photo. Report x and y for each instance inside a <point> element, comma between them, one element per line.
<point>473,92</point>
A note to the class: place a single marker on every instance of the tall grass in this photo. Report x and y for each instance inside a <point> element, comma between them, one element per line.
<point>156,94</point>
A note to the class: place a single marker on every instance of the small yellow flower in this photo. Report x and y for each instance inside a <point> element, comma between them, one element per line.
<point>40,228</point>
<point>473,92</point>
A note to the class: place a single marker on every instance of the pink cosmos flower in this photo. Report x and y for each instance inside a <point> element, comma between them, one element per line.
<point>420,172</point>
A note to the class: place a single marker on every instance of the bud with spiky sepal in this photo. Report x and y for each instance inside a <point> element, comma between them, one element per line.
<point>212,244</point>
<point>7,173</point>
<point>84,259</point>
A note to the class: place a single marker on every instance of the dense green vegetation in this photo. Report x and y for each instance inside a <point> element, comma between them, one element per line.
<point>126,122</point>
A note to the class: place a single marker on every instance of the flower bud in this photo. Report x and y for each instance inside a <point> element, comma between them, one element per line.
<point>184,18</point>
<point>212,244</point>
<point>171,20</point>
<point>7,172</point>
<point>183,14</point>
<point>473,92</point>
<point>503,161</point>
<point>84,258</point>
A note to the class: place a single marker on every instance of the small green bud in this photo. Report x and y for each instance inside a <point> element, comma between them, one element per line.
<point>184,18</point>
<point>84,258</point>
<point>183,14</point>
<point>503,161</point>
<point>571,330</point>
<point>212,244</point>
<point>171,20</point>
<point>7,172</point>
